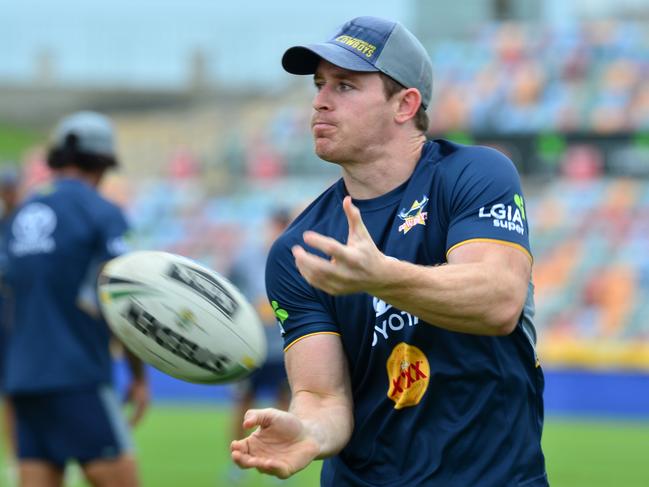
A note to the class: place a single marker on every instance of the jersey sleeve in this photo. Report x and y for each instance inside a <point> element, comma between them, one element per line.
<point>111,229</point>
<point>113,232</point>
<point>298,308</point>
<point>486,201</point>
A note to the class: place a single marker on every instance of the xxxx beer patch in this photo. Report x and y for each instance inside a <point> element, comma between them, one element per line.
<point>408,375</point>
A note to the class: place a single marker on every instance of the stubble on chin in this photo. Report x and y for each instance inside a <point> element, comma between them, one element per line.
<point>324,150</point>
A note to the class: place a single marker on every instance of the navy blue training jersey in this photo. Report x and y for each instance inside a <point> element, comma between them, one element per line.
<point>431,407</point>
<point>54,245</point>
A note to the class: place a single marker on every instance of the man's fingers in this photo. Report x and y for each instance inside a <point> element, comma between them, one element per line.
<point>253,417</point>
<point>264,465</point>
<point>138,400</point>
<point>239,446</point>
<point>308,263</point>
<point>317,271</point>
<point>328,245</point>
<point>354,219</point>
<point>243,460</point>
<point>138,413</point>
<point>135,418</point>
<point>259,417</point>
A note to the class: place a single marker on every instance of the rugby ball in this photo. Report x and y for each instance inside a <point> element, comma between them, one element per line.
<point>181,317</point>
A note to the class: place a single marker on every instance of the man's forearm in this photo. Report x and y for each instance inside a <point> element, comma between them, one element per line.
<point>327,419</point>
<point>476,298</point>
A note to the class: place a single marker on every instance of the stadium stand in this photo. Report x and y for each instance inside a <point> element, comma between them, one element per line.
<point>513,78</point>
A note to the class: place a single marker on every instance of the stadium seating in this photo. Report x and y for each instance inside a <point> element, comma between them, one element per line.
<point>589,238</point>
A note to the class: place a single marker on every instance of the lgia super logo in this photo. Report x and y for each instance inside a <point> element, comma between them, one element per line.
<point>509,217</point>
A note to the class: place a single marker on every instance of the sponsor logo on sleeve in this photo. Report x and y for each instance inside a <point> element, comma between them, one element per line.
<point>508,217</point>
<point>281,314</point>
<point>408,375</point>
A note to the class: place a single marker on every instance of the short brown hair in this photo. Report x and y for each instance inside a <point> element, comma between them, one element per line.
<point>391,88</point>
<point>69,154</point>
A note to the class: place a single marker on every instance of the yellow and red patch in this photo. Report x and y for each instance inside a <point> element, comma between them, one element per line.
<point>408,375</point>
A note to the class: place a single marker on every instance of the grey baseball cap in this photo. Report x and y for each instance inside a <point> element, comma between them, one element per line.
<point>369,44</point>
<point>94,131</point>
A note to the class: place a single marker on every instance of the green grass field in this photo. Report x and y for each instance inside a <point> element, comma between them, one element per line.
<point>188,446</point>
<point>15,140</point>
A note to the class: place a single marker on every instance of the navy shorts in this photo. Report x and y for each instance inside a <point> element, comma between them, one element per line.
<point>82,425</point>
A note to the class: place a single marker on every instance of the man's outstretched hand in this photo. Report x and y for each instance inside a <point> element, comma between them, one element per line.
<point>353,267</point>
<point>280,445</point>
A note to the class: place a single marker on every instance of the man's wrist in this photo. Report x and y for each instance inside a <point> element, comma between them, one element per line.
<point>385,273</point>
<point>312,431</point>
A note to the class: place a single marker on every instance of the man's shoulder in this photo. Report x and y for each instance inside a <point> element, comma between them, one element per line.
<point>458,162</point>
<point>98,204</point>
<point>453,154</point>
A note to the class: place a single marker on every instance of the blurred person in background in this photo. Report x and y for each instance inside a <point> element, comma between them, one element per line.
<point>9,196</point>
<point>9,191</point>
<point>403,291</point>
<point>58,369</point>
<point>247,273</point>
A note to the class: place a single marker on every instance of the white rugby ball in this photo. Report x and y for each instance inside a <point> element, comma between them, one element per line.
<point>181,317</point>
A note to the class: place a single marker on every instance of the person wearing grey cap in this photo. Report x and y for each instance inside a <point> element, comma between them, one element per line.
<point>58,371</point>
<point>403,292</point>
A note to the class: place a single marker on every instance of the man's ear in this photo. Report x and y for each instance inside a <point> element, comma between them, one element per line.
<point>409,102</point>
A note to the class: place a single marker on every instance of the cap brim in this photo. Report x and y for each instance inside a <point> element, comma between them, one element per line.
<point>305,59</point>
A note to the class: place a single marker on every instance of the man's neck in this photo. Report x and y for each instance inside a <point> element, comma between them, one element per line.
<point>89,177</point>
<point>370,179</point>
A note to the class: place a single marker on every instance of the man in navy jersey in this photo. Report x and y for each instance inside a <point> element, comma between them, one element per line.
<point>403,292</point>
<point>58,365</point>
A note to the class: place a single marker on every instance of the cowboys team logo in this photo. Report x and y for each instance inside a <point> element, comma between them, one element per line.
<point>413,216</point>
<point>408,375</point>
<point>32,230</point>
